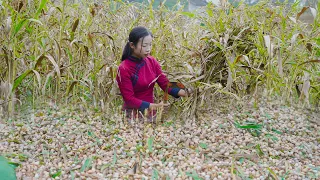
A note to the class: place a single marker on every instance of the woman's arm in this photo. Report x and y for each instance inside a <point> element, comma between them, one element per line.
<point>163,81</point>
<point>126,89</point>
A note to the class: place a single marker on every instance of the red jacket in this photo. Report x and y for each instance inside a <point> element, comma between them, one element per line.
<point>136,79</point>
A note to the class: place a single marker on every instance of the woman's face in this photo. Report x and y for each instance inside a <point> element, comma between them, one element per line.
<point>143,47</point>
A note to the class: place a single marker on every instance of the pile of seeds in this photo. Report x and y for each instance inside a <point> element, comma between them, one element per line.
<point>267,141</point>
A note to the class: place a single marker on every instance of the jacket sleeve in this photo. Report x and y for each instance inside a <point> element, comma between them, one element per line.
<point>163,80</point>
<point>125,85</point>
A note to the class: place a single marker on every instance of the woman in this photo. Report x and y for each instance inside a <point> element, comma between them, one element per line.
<point>137,75</point>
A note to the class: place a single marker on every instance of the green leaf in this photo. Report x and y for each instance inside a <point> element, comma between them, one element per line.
<point>292,62</point>
<point>268,116</point>
<point>241,160</point>
<point>274,175</point>
<point>13,164</point>
<point>155,175</point>
<point>276,131</point>
<point>57,174</point>
<point>18,81</point>
<point>189,14</point>
<point>210,7</point>
<point>114,159</point>
<point>271,136</point>
<point>73,175</point>
<point>86,164</point>
<point>18,26</point>
<point>318,41</point>
<point>194,175</point>
<point>6,171</point>
<point>248,126</point>
<point>150,144</point>
<point>41,6</point>
<point>255,132</point>
<point>105,166</point>
<point>117,138</point>
<point>259,151</point>
<point>203,145</point>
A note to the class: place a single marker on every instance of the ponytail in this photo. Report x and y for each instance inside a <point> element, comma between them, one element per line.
<point>126,51</point>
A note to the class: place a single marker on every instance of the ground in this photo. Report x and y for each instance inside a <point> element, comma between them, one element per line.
<point>265,141</point>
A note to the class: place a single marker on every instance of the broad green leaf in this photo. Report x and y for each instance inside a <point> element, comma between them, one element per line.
<point>274,175</point>
<point>270,136</point>
<point>155,175</point>
<point>57,174</point>
<point>194,175</point>
<point>117,138</point>
<point>276,131</point>
<point>203,145</point>
<point>259,151</point>
<point>210,7</point>
<point>114,159</point>
<point>255,132</point>
<point>292,62</point>
<point>6,171</point>
<point>86,164</point>
<point>248,126</point>
<point>189,14</point>
<point>18,26</point>
<point>241,160</point>
<point>268,116</point>
<point>241,173</point>
<point>73,175</point>
<point>69,54</point>
<point>150,144</point>
<point>14,164</point>
<point>18,81</point>
<point>41,6</point>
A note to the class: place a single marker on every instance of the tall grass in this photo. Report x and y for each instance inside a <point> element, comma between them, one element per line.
<point>69,53</point>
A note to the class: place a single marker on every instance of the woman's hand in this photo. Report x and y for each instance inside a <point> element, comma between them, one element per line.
<point>185,92</point>
<point>182,93</point>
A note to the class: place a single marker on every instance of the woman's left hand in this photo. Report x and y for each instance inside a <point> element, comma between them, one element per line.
<point>182,93</point>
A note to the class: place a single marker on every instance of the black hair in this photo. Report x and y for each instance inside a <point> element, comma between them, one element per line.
<point>134,36</point>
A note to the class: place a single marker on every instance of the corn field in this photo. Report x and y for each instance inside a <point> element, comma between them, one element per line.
<point>65,52</point>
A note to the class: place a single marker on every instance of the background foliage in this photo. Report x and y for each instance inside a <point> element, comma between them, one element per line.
<point>69,53</point>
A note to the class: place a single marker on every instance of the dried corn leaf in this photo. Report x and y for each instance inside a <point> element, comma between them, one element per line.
<point>269,45</point>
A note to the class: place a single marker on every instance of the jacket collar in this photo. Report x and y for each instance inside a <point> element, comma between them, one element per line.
<point>135,59</point>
